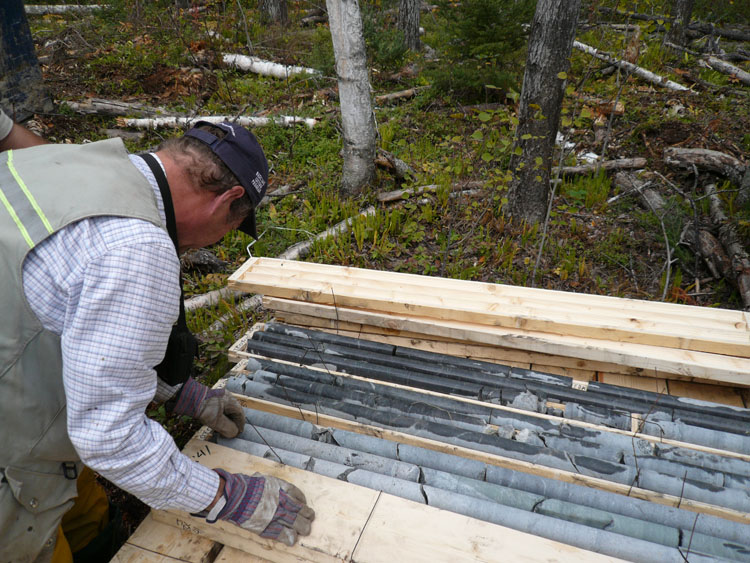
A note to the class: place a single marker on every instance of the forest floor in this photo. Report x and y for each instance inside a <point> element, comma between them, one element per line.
<point>592,243</point>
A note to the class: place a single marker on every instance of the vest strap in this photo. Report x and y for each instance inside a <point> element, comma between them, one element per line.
<point>182,348</point>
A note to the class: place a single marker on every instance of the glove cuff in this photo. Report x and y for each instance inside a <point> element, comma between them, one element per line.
<point>191,396</point>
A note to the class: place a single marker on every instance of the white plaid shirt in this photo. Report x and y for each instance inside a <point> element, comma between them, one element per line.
<point>109,286</point>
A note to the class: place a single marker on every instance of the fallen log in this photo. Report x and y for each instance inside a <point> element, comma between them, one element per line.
<point>175,122</point>
<point>396,96</point>
<point>733,245</point>
<point>696,29</point>
<point>115,107</point>
<point>629,183</point>
<point>311,20</point>
<point>396,166</point>
<point>607,165</point>
<point>708,247</point>
<point>727,68</point>
<point>631,68</point>
<point>396,195</point>
<point>294,252</point>
<point>713,161</point>
<point>44,9</point>
<point>266,68</point>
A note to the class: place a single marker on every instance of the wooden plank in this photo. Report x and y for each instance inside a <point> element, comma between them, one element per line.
<point>386,298</point>
<point>500,461</point>
<point>713,367</point>
<point>343,517</point>
<point>652,384</point>
<point>132,554</point>
<point>154,542</point>
<point>481,290</point>
<point>578,374</point>
<point>712,393</point>
<point>341,512</point>
<point>391,531</point>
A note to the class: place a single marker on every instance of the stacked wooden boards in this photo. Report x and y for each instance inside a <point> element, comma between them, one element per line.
<point>390,528</point>
<point>587,337</point>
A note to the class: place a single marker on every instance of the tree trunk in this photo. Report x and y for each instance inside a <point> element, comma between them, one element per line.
<point>357,118</point>
<point>681,12</point>
<point>274,11</point>
<point>550,44</point>
<point>408,22</point>
<point>21,88</point>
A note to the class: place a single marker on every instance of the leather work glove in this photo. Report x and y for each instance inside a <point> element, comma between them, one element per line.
<point>265,505</point>
<point>213,407</point>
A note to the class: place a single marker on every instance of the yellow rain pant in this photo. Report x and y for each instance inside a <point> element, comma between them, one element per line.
<point>83,522</point>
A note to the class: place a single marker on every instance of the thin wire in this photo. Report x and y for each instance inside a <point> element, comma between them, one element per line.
<point>308,233</point>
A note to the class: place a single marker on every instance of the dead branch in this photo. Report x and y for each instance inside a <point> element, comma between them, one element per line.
<point>397,195</point>
<point>629,183</point>
<point>294,252</point>
<point>43,9</point>
<point>713,161</point>
<point>696,29</point>
<point>115,107</point>
<point>727,68</point>
<point>311,20</point>
<point>631,68</point>
<point>731,242</point>
<point>397,96</point>
<point>608,165</point>
<point>396,166</point>
<point>175,122</point>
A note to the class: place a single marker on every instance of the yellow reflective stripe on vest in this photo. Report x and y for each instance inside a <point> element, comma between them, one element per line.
<point>21,205</point>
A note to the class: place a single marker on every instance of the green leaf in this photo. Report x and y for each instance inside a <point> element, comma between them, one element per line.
<point>526,136</point>
<point>487,157</point>
<point>484,116</point>
<point>477,135</point>
<point>538,160</point>
<point>562,75</point>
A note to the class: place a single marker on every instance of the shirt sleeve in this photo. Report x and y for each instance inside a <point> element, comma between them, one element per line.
<point>113,336</point>
<point>6,124</point>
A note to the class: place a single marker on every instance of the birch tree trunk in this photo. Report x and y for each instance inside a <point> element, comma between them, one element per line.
<point>408,22</point>
<point>21,88</point>
<point>681,12</point>
<point>274,11</point>
<point>357,118</point>
<point>550,44</point>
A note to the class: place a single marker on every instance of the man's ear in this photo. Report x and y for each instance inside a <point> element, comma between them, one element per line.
<point>235,192</point>
<point>227,197</point>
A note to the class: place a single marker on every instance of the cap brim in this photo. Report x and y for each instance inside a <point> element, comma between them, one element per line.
<point>248,225</point>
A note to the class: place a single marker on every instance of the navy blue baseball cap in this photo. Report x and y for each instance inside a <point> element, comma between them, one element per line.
<point>241,152</point>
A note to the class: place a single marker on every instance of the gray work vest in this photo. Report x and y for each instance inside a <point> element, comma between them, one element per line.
<point>42,190</point>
